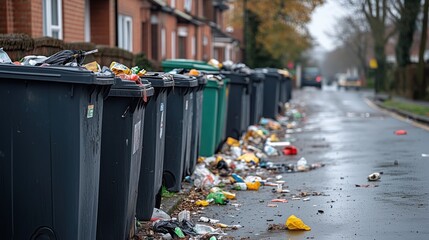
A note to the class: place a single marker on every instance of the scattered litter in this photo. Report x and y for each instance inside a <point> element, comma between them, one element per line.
<point>320,211</point>
<point>425,155</point>
<point>271,205</point>
<point>184,215</point>
<point>365,185</point>
<point>159,214</point>
<point>375,176</point>
<point>279,200</point>
<point>294,223</point>
<point>208,220</point>
<point>401,132</point>
<point>290,150</point>
<point>306,199</point>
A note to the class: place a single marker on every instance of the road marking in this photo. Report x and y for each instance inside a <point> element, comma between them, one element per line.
<point>396,116</point>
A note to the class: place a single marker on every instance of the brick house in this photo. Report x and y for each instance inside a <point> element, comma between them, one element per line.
<point>162,29</point>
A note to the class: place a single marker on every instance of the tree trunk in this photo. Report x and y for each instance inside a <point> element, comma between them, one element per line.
<point>407,26</point>
<point>421,66</point>
<point>380,72</point>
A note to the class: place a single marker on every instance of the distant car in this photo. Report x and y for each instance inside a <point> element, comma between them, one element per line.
<point>349,82</point>
<point>312,77</point>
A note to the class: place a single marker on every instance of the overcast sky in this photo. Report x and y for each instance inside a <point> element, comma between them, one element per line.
<point>323,20</point>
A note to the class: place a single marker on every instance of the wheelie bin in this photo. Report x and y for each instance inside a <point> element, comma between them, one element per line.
<point>288,84</point>
<point>196,124</point>
<point>271,92</point>
<point>150,183</point>
<point>50,151</point>
<point>171,64</point>
<point>177,143</point>
<point>256,96</point>
<point>238,104</point>
<point>210,111</point>
<point>121,150</point>
<point>222,110</point>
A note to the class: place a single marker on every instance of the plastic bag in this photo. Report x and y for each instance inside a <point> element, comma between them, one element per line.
<point>253,185</point>
<point>217,197</point>
<point>249,158</point>
<point>204,179</point>
<point>294,223</point>
<point>159,214</point>
<point>4,58</point>
<point>301,165</point>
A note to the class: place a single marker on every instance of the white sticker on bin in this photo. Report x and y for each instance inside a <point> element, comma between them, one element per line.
<point>90,111</point>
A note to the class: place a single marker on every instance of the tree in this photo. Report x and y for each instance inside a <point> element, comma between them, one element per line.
<point>422,48</point>
<point>406,25</point>
<point>278,28</point>
<point>353,33</point>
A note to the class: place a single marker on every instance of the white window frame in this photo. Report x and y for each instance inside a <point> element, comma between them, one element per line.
<point>188,5</point>
<point>48,27</point>
<point>173,3</point>
<point>163,43</point>
<point>125,32</point>
<point>173,44</point>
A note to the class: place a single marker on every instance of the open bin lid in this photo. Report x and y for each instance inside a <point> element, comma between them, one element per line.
<point>158,79</point>
<point>55,74</point>
<point>127,88</point>
<point>184,81</point>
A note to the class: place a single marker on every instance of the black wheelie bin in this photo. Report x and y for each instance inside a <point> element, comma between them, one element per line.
<point>150,183</point>
<point>271,92</point>
<point>238,103</point>
<point>121,150</point>
<point>51,127</point>
<point>256,97</point>
<point>177,142</point>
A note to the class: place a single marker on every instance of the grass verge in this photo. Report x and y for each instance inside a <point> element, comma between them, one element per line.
<point>409,107</point>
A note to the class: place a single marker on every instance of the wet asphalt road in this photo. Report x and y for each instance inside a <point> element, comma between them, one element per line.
<point>353,140</point>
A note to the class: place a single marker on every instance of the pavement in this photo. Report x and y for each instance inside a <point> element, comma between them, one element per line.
<point>353,139</point>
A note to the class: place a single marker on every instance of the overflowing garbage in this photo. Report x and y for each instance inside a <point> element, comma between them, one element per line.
<point>244,164</point>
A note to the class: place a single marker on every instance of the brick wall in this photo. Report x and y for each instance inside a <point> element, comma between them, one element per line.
<point>6,23</point>
<point>74,20</point>
<point>103,27</point>
<point>36,17</point>
<point>132,8</point>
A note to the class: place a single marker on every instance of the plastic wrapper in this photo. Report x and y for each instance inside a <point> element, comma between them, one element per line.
<point>294,223</point>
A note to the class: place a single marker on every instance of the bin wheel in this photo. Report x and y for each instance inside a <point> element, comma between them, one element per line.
<point>44,233</point>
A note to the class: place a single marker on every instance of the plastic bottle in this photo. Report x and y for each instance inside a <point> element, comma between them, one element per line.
<point>218,198</point>
<point>237,178</point>
<point>240,186</point>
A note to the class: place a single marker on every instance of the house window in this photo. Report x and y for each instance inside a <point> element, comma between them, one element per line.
<point>173,44</point>
<point>173,3</point>
<point>163,46</point>
<point>52,18</point>
<point>193,46</point>
<point>125,32</point>
<point>188,5</point>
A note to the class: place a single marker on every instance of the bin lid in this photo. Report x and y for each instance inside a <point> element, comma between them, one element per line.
<point>159,79</point>
<point>213,83</point>
<point>269,72</point>
<point>202,80</point>
<point>184,81</point>
<point>170,64</point>
<point>55,74</point>
<point>237,78</point>
<point>127,88</point>
<point>257,76</point>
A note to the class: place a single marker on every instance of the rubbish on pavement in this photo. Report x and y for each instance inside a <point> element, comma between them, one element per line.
<point>218,197</point>
<point>229,195</point>
<point>201,229</point>
<point>365,185</point>
<point>375,176</point>
<point>179,232</point>
<point>400,132</point>
<point>301,165</point>
<point>279,200</point>
<point>202,203</point>
<point>425,155</point>
<point>159,214</point>
<point>270,150</point>
<point>295,223</point>
<point>222,225</point>
<point>174,228</point>
<point>320,211</point>
<point>278,144</point>
<point>253,179</point>
<point>249,158</point>
<point>253,185</point>
<point>208,220</point>
<point>203,178</point>
<point>290,150</point>
<point>271,205</point>
<point>232,142</point>
<point>184,215</point>
<point>237,178</point>
<point>240,186</point>
<point>306,199</point>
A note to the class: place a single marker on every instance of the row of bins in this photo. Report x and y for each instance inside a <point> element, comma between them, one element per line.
<point>84,153</point>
